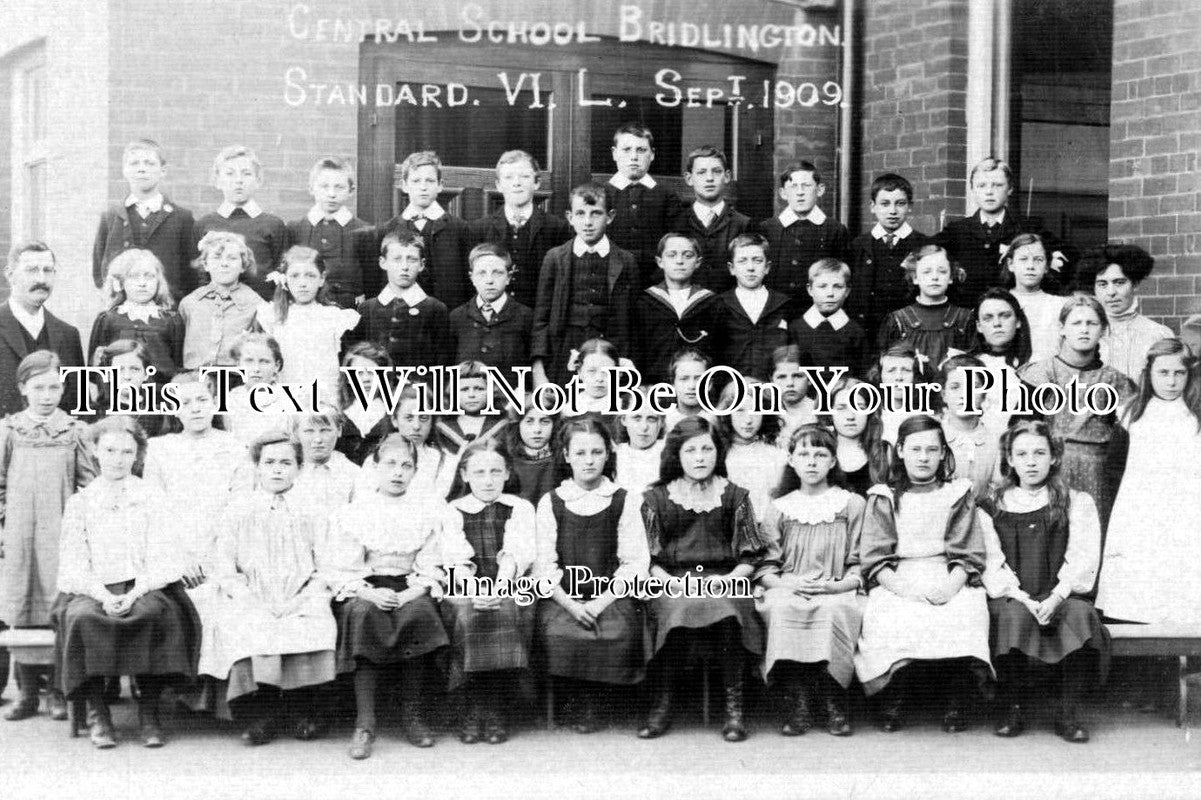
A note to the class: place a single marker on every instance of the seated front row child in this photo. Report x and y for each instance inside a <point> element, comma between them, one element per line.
<point>486,533</point>
<point>701,527</point>
<point>754,319</point>
<point>492,327</point>
<point>825,334</point>
<point>382,564</point>
<point>812,604</point>
<point>121,608</point>
<point>1043,560</point>
<point>921,555</point>
<point>269,634</point>
<point>591,638</point>
<point>931,323</point>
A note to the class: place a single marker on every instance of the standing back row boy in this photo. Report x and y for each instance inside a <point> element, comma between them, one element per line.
<point>345,242</point>
<point>878,283</point>
<point>147,220</point>
<point>445,235</point>
<point>238,174</point>
<point>641,207</point>
<point>525,230</point>
<point>711,220</point>
<point>801,234</point>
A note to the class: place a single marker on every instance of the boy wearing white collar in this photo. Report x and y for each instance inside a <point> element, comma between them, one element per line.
<point>446,238</point>
<point>642,208</point>
<point>146,219</point>
<point>802,233</point>
<point>825,334</point>
<point>412,326</point>
<point>344,241</point>
<point>238,174</point>
<point>711,219</point>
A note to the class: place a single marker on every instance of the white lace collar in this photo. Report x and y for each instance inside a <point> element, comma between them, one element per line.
<point>473,505</point>
<point>571,491</point>
<point>813,509</point>
<point>698,497</point>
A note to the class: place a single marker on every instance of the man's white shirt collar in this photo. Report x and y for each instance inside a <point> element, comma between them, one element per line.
<point>33,323</point>
<point>753,301</point>
<point>902,232</point>
<point>837,320</point>
<point>601,248</point>
<point>815,215</point>
<point>341,216</point>
<point>251,207</point>
<point>435,211</point>
<point>412,295</point>
<point>619,181</point>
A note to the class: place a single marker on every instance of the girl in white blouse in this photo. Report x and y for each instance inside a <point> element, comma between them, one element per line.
<point>121,610</point>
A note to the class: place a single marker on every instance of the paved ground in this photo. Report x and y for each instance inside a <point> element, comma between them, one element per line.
<point>1132,755</point>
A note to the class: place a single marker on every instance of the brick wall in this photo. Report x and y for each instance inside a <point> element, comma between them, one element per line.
<point>913,94</point>
<point>1155,132</point>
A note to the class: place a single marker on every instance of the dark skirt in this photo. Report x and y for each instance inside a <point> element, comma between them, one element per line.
<point>697,613</point>
<point>613,653</point>
<point>483,641</point>
<point>159,636</point>
<point>1076,625</point>
<point>386,637</point>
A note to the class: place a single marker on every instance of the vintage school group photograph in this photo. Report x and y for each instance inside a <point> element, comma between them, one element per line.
<point>920,281</point>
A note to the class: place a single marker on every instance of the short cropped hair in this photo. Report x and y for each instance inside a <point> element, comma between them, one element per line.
<point>252,337</point>
<point>334,164</point>
<point>799,166</point>
<point>265,440</point>
<point>593,194</point>
<point>490,249</point>
<point>31,246</point>
<point>909,265</point>
<point>37,363</point>
<point>988,165</point>
<point>237,151</point>
<point>402,239</point>
<point>890,182</point>
<point>145,144</point>
<point>515,156</point>
<point>706,151</point>
<point>829,265</point>
<point>747,240</point>
<point>421,158</point>
<point>635,129</point>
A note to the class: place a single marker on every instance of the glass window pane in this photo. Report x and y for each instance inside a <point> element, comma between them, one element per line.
<point>495,126</point>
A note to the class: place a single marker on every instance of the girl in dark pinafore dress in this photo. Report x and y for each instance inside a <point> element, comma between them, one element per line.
<point>487,533</point>
<point>702,526</point>
<point>589,636</point>
<point>1050,540</point>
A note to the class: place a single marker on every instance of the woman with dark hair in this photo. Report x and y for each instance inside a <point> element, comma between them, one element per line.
<point>921,556</point>
<point>701,527</point>
<point>1112,274</point>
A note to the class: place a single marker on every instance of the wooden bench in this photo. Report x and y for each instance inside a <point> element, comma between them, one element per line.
<point>1160,640</point>
<point>35,646</point>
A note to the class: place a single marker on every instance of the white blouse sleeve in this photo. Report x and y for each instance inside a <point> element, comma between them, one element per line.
<point>345,320</point>
<point>998,579</point>
<point>341,557</point>
<point>426,569</point>
<point>454,549</point>
<point>1083,556</point>
<point>160,557</point>
<point>633,551</point>
<point>74,566</point>
<point>520,538</point>
<point>546,564</point>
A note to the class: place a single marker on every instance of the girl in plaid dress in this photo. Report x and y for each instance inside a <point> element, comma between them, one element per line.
<point>487,533</point>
